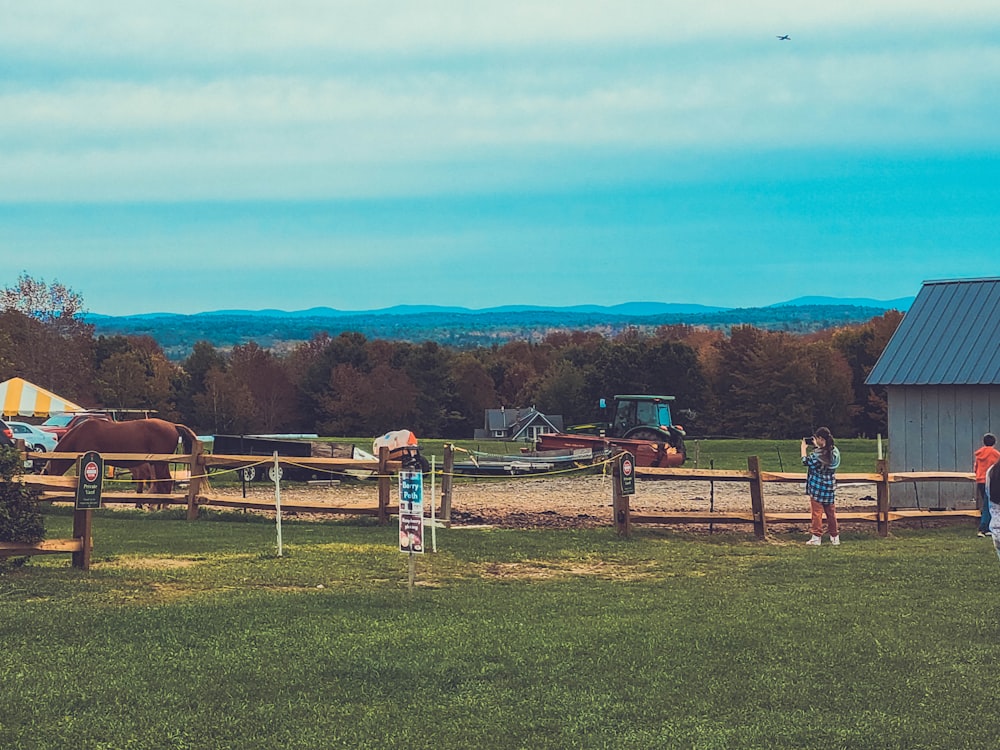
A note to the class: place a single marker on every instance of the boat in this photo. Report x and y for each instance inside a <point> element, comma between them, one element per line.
<point>528,461</point>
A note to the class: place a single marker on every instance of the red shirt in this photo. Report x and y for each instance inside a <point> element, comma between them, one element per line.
<point>985,458</point>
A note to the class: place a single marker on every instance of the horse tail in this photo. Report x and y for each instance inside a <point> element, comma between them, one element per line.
<point>187,436</point>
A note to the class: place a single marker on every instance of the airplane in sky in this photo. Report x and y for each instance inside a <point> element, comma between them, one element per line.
<point>784,37</point>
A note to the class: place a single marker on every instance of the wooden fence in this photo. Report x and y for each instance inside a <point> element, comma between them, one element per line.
<point>198,467</point>
<point>881,514</point>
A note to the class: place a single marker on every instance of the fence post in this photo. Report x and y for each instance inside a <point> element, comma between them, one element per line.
<point>882,497</point>
<point>82,524</point>
<point>620,501</point>
<point>384,485</point>
<point>757,497</point>
<point>196,469</point>
<point>449,468</point>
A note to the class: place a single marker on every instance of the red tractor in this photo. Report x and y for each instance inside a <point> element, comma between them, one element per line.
<point>641,425</point>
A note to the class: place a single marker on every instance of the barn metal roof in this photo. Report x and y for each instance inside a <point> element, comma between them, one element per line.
<point>947,337</point>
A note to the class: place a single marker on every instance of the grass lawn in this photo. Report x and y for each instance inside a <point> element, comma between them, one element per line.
<point>195,635</point>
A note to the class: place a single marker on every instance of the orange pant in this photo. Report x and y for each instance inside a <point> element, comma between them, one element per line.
<point>818,509</point>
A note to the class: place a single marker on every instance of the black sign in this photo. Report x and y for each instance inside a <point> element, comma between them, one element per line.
<point>90,481</point>
<point>626,473</point>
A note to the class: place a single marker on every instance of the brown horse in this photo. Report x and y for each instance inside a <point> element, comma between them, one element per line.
<point>141,436</point>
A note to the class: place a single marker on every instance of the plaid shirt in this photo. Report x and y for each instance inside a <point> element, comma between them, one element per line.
<point>821,480</point>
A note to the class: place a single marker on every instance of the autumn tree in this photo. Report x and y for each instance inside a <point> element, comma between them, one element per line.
<point>262,375</point>
<point>474,391</point>
<point>632,363</point>
<point>45,341</point>
<point>311,366</point>
<point>52,304</point>
<point>516,369</point>
<point>363,404</point>
<point>225,406</point>
<point>861,347</point>
<point>189,379</point>
<point>203,358</point>
<point>428,367</point>
<point>773,385</point>
<point>132,372</point>
<point>563,391</point>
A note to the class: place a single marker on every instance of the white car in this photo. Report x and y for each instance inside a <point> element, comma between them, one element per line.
<point>34,438</point>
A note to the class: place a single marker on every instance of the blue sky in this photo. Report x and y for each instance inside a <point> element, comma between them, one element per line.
<point>190,156</point>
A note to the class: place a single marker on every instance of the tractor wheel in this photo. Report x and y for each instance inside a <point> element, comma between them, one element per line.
<point>248,474</point>
<point>677,440</point>
<point>276,474</point>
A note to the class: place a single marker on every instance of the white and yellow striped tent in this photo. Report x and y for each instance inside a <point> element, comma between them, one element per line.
<point>19,398</point>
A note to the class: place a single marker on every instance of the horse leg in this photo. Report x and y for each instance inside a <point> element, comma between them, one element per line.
<point>164,482</point>
<point>142,476</point>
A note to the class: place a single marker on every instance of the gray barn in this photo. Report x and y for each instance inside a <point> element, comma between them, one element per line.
<point>941,371</point>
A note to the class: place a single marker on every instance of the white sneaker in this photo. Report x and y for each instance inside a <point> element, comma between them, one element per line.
<point>835,540</point>
<point>817,540</point>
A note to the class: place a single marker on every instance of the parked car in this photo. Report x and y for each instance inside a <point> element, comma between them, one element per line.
<point>36,439</point>
<point>6,436</point>
<point>60,424</point>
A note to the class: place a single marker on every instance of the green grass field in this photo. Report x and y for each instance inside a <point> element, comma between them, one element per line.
<point>857,454</point>
<point>195,635</point>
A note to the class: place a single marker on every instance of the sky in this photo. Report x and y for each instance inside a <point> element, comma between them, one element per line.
<point>199,155</point>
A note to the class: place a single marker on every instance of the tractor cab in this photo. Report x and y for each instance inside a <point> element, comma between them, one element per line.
<point>632,412</point>
<point>637,418</point>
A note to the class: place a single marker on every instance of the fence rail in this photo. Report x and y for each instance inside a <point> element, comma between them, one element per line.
<point>882,514</point>
<point>199,465</point>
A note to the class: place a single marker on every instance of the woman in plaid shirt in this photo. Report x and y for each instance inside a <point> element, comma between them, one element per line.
<point>821,483</point>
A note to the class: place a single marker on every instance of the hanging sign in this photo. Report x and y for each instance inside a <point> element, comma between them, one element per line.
<point>627,474</point>
<point>90,481</point>
<point>411,511</point>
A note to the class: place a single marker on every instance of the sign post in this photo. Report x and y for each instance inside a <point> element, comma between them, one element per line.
<point>623,487</point>
<point>277,500</point>
<point>411,517</point>
<point>89,486</point>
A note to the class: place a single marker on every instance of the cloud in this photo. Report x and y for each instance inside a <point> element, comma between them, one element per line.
<point>184,100</point>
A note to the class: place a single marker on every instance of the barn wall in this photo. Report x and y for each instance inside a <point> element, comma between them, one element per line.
<point>938,428</point>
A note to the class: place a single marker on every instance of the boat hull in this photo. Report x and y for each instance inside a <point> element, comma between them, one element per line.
<point>527,462</point>
<point>646,452</point>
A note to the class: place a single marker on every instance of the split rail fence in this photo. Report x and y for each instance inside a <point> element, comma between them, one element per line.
<point>200,465</point>
<point>881,514</point>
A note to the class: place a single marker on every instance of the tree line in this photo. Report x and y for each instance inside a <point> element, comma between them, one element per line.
<point>747,382</point>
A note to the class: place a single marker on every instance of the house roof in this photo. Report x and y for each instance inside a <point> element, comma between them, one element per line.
<point>504,419</point>
<point>516,420</point>
<point>947,337</point>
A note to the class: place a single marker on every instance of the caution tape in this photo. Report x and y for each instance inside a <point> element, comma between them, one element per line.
<point>603,464</point>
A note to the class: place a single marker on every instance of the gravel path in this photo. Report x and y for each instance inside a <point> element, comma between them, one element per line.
<point>567,502</point>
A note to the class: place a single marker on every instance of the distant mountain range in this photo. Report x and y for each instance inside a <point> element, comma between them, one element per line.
<point>626,308</point>
<point>462,327</point>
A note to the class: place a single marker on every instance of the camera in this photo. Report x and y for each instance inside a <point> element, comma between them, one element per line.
<point>809,440</point>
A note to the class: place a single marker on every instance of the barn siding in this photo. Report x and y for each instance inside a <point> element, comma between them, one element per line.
<point>938,428</point>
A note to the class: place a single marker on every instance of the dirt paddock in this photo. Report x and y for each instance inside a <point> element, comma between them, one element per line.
<point>579,501</point>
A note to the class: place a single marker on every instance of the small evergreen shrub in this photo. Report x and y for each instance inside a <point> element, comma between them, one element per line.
<point>20,520</point>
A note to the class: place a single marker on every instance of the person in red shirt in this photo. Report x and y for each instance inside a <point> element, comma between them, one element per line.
<point>985,457</point>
